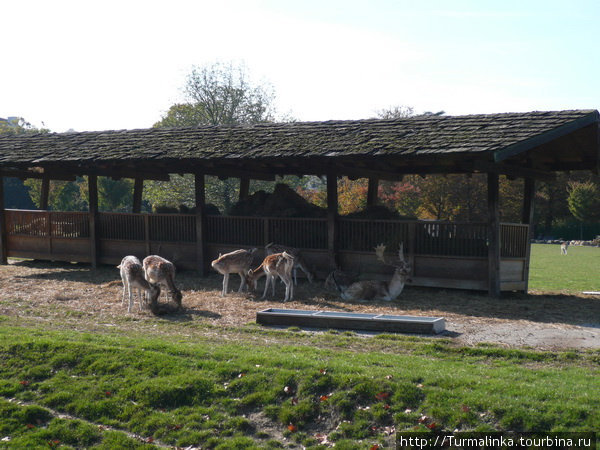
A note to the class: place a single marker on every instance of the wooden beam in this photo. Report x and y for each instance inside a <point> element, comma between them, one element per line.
<point>200,194</point>
<point>45,194</point>
<point>332,219</point>
<point>527,217</point>
<point>493,235</point>
<point>3,232</point>
<point>23,174</point>
<point>138,188</point>
<point>93,218</point>
<point>514,171</point>
<point>244,188</point>
<point>372,191</point>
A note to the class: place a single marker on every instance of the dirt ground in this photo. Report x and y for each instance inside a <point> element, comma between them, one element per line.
<point>55,291</point>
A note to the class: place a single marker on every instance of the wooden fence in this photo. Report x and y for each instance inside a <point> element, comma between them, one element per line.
<point>454,254</point>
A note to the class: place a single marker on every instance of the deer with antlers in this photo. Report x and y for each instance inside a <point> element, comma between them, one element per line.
<point>299,263</point>
<point>158,270</point>
<point>132,275</point>
<point>379,290</point>
<point>238,261</point>
<point>275,265</point>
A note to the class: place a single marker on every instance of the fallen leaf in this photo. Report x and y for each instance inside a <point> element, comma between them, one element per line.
<point>423,419</point>
<point>386,406</point>
<point>432,425</point>
<point>293,428</point>
<point>382,395</point>
<point>323,398</point>
<point>323,371</point>
<point>374,447</point>
<point>24,383</point>
<point>465,408</point>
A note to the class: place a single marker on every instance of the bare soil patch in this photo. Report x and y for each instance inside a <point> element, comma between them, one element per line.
<point>60,291</point>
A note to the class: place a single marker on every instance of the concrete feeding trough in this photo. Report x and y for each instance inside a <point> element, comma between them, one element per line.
<point>351,321</point>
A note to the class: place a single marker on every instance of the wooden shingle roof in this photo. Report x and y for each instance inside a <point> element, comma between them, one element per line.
<point>558,140</point>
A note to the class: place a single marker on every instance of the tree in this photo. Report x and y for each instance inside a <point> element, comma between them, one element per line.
<point>16,192</point>
<point>217,94</point>
<point>584,201</point>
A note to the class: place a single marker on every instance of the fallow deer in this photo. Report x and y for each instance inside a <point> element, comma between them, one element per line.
<point>132,274</point>
<point>158,270</point>
<point>379,290</point>
<point>299,263</point>
<point>238,261</point>
<point>276,265</point>
<point>563,248</point>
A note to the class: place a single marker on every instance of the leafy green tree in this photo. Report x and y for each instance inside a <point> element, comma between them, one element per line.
<point>17,194</point>
<point>217,94</point>
<point>584,201</point>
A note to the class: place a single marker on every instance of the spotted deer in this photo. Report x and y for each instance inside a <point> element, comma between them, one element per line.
<point>238,261</point>
<point>299,263</point>
<point>379,290</point>
<point>160,271</point>
<point>132,275</point>
<point>276,265</point>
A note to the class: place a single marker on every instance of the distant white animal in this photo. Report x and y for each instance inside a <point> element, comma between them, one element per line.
<point>132,275</point>
<point>238,261</point>
<point>158,270</point>
<point>563,248</point>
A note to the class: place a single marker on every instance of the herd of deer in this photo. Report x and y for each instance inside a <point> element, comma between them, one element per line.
<point>280,262</point>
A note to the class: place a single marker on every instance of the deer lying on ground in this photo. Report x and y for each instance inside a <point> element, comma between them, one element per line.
<point>379,290</point>
<point>563,248</point>
<point>299,263</point>
<point>132,274</point>
<point>158,270</point>
<point>238,261</point>
<point>276,265</point>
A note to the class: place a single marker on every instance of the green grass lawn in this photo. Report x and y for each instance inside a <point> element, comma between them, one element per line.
<point>577,271</point>
<point>273,389</point>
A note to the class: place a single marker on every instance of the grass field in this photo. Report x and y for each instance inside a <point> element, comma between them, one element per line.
<point>577,271</point>
<point>77,371</point>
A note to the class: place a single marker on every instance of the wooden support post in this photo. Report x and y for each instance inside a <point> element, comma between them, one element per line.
<point>93,218</point>
<point>372,192</point>
<point>528,207</point>
<point>493,235</point>
<point>45,194</point>
<point>199,189</point>
<point>332,222</point>
<point>138,188</point>
<point>3,232</point>
<point>244,188</point>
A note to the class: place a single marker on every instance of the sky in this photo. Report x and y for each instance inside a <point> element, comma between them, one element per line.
<point>106,65</point>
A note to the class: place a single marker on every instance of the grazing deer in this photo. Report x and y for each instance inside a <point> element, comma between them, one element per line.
<point>563,248</point>
<point>380,290</point>
<point>299,263</point>
<point>278,264</point>
<point>158,270</point>
<point>132,275</point>
<point>238,261</point>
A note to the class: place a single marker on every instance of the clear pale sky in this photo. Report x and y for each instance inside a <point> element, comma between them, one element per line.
<point>97,65</point>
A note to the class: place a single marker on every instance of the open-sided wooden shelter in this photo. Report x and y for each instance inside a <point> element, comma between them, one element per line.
<point>490,256</point>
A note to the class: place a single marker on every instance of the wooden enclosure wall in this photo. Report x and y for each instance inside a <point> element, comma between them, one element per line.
<point>442,254</point>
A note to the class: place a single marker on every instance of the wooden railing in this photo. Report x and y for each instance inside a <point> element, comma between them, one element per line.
<point>419,237</point>
<point>47,224</point>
